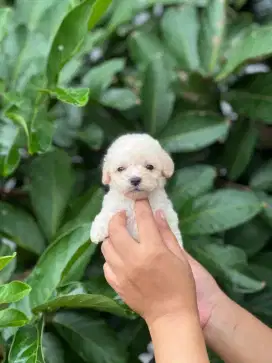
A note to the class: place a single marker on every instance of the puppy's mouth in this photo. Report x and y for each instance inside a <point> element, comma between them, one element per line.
<point>136,193</point>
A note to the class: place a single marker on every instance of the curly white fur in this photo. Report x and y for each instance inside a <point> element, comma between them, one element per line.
<point>135,156</point>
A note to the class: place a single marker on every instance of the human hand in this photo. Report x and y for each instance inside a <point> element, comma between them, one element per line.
<point>148,276</point>
<point>208,293</point>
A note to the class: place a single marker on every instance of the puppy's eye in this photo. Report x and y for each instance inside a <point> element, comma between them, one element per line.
<point>120,169</point>
<point>149,167</point>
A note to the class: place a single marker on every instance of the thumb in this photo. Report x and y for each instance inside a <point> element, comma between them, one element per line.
<point>167,235</point>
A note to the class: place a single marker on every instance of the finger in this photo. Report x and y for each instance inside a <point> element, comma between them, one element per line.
<point>119,236</point>
<point>110,254</point>
<point>147,227</point>
<point>110,276</point>
<point>167,235</point>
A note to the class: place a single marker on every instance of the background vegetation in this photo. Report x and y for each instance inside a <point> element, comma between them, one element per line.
<point>73,76</point>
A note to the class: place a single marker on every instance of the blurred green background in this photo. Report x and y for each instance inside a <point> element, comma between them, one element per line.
<point>74,75</point>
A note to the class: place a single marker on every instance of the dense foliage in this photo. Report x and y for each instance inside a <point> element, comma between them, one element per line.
<point>74,75</point>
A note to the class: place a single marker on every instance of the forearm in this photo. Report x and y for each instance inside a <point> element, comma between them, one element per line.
<point>237,336</point>
<point>178,339</point>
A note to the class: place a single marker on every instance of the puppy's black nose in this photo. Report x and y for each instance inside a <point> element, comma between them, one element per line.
<point>135,181</point>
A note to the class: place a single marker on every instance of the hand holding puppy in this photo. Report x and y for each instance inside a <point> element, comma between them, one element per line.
<point>148,276</point>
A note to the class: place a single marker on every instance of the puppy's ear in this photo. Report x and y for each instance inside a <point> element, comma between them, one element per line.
<point>105,174</point>
<point>167,164</point>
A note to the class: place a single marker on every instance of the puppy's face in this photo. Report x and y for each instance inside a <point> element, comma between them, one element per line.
<point>136,166</point>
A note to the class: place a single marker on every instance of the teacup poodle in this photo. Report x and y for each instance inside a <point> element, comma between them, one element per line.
<point>135,167</point>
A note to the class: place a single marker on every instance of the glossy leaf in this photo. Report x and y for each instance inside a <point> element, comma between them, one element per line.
<point>74,96</point>
<point>193,130</point>
<point>8,260</point>
<point>267,208</point>
<point>252,97</point>
<point>251,236</point>
<point>13,291</point>
<point>53,349</point>
<point>76,24</point>
<point>144,47</point>
<point>5,14</point>
<point>44,279</point>
<point>255,43</point>
<point>98,10</point>
<point>27,345</point>
<point>191,182</point>
<point>91,339</point>
<point>219,211</point>
<point>99,78</point>
<point>124,11</point>
<point>157,96</point>
<point>239,148</point>
<point>227,263</point>
<point>213,21</point>
<point>89,301</point>
<point>51,186</point>
<point>5,260</point>
<point>12,318</point>
<point>262,178</point>
<point>180,28</point>
<point>119,98</point>
<point>9,154</point>
<point>21,227</point>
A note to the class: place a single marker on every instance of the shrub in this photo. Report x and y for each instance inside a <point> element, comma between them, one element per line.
<point>73,76</point>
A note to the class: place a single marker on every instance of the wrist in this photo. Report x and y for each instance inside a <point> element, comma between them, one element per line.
<point>168,319</point>
<point>223,319</point>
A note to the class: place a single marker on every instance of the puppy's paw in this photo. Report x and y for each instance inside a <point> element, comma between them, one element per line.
<point>99,231</point>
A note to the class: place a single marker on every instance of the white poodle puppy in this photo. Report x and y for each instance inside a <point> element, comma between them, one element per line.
<point>135,167</point>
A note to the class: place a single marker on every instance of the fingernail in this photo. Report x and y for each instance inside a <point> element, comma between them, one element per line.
<point>161,218</point>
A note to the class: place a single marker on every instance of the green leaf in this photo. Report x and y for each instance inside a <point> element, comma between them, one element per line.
<point>5,14</point>
<point>251,236</point>
<point>89,301</point>
<point>144,47</point>
<point>124,11</point>
<point>180,28</point>
<point>91,339</point>
<point>44,279</point>
<point>254,43</point>
<point>267,208</point>
<point>99,78</point>
<point>5,260</point>
<point>193,130</point>
<point>219,211</point>
<point>262,178</point>
<point>76,24</point>
<point>13,291</point>
<point>119,98</point>
<point>50,189</point>
<point>157,96</point>
<point>8,260</point>
<point>27,345</point>
<point>76,267</point>
<point>52,349</point>
<point>227,263</point>
<point>12,318</point>
<point>92,135</point>
<point>213,21</point>
<point>98,10</point>
<point>191,182</point>
<point>74,96</point>
<point>9,154</point>
<point>252,97</point>
<point>21,227</point>
<point>239,148</point>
